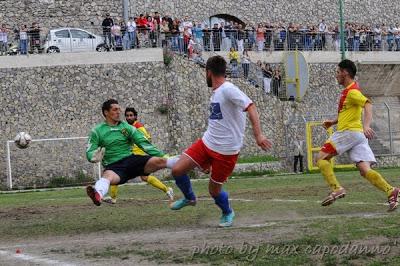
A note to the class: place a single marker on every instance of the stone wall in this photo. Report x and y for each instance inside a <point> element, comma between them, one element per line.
<point>86,14</point>
<point>64,101</point>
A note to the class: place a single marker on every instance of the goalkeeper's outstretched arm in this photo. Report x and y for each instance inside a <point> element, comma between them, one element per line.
<point>92,145</point>
<point>142,142</point>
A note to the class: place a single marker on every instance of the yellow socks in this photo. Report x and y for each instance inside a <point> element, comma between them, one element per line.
<point>378,181</point>
<point>152,180</point>
<point>327,172</point>
<point>114,191</point>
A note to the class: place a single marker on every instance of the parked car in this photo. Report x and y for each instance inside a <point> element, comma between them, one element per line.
<point>73,40</point>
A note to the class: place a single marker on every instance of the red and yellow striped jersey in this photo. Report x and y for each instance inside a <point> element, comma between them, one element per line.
<point>351,105</point>
<point>139,126</point>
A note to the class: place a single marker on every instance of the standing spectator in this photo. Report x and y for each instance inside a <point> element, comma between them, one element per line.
<point>298,155</point>
<point>186,39</point>
<point>267,76</point>
<point>207,40</point>
<point>34,35</point>
<point>198,33</point>
<point>116,36</point>
<point>23,40</point>
<point>164,33</point>
<point>390,37</point>
<point>125,36</point>
<point>189,24</point>
<point>234,60</point>
<point>157,18</point>
<point>216,38</point>
<point>260,38</point>
<point>377,37</point>
<point>276,82</point>
<point>246,64</point>
<point>292,32</point>
<point>131,28</point>
<point>225,41</point>
<point>322,28</point>
<point>397,36</point>
<point>175,34</point>
<point>3,40</point>
<point>106,25</point>
<point>251,36</point>
<point>363,39</point>
<point>240,38</point>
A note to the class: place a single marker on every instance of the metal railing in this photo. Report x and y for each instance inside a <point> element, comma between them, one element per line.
<point>210,40</point>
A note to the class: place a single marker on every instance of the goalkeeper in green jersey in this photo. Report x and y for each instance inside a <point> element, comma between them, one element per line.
<point>110,142</point>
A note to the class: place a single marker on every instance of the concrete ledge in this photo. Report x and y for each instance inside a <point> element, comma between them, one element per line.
<point>258,167</point>
<point>91,58</point>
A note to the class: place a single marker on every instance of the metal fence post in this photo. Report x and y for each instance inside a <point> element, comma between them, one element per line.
<point>9,176</point>
<point>389,128</point>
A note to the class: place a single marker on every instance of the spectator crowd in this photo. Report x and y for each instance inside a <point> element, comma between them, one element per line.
<point>192,37</point>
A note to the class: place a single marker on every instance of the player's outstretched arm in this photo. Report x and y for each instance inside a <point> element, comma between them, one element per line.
<point>142,142</point>
<point>94,153</point>
<point>261,140</point>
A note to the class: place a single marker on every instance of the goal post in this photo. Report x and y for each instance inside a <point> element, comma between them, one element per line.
<point>67,156</point>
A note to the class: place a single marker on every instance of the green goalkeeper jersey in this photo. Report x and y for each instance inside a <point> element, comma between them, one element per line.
<point>118,141</point>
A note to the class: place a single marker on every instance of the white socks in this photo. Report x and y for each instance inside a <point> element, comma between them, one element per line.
<point>172,161</point>
<point>102,186</point>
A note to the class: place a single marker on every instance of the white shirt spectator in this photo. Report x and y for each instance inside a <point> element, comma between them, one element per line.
<point>116,30</point>
<point>298,148</point>
<point>131,26</point>
<point>189,25</point>
<point>322,27</point>
<point>378,34</point>
<point>23,35</point>
<point>3,36</point>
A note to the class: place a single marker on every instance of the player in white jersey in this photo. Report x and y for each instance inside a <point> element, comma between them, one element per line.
<point>219,147</point>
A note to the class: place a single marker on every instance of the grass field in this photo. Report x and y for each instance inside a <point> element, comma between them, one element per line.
<point>279,222</point>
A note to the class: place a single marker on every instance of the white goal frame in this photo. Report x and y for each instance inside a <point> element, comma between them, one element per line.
<point>9,170</point>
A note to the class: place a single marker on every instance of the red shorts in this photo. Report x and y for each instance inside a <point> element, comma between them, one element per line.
<point>221,165</point>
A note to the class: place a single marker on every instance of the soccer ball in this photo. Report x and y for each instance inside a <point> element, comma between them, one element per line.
<point>22,140</point>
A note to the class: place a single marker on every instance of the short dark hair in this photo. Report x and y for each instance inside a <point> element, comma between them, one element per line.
<point>131,109</point>
<point>217,65</point>
<point>107,105</point>
<point>349,67</point>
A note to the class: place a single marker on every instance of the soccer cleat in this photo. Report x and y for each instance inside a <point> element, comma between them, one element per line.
<point>227,219</point>
<point>179,204</point>
<point>109,200</point>
<point>341,193</point>
<point>93,195</point>
<point>394,199</point>
<point>170,193</point>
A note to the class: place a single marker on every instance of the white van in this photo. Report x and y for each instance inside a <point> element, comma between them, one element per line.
<point>73,40</point>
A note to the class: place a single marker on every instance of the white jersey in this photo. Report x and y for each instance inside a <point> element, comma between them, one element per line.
<point>227,121</point>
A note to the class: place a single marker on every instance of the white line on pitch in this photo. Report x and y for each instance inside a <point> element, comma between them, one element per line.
<point>33,259</point>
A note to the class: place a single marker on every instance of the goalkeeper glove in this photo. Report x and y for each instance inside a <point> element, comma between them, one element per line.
<point>98,155</point>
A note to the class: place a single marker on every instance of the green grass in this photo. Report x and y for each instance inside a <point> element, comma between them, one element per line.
<point>257,159</point>
<point>358,218</point>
